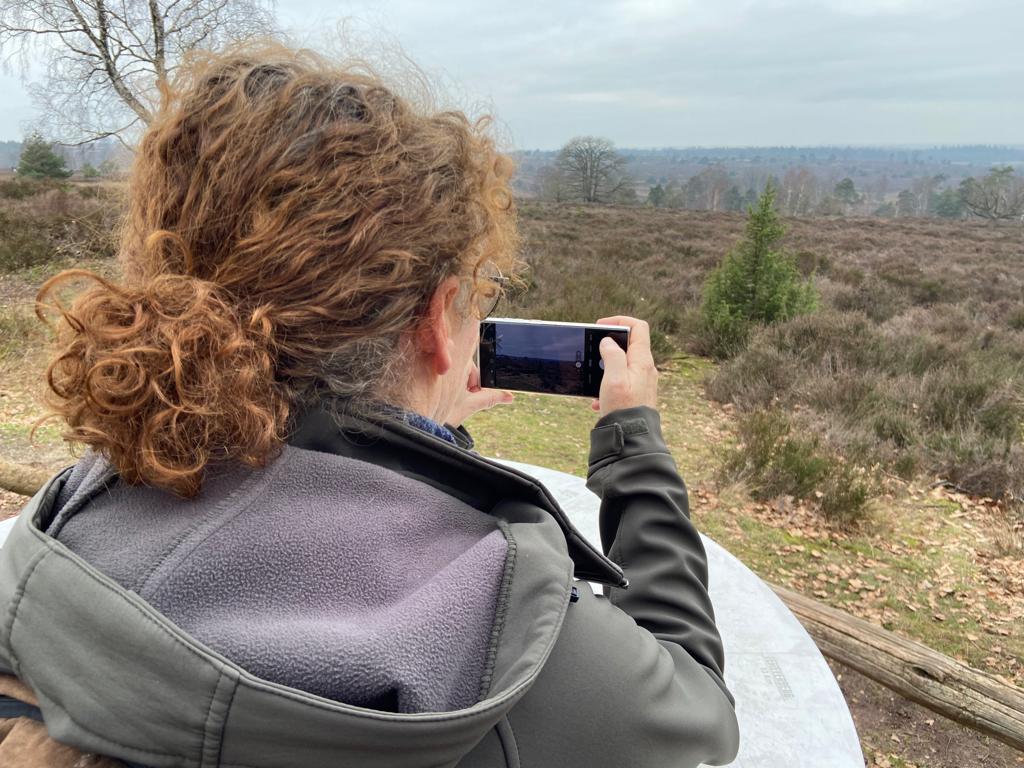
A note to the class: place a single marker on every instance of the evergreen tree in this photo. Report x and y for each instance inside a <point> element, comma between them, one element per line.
<point>39,161</point>
<point>89,171</point>
<point>756,283</point>
<point>656,196</point>
<point>733,199</point>
<point>948,204</point>
<point>846,192</point>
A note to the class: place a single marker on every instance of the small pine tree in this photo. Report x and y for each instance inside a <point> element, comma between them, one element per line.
<point>756,283</point>
<point>656,196</point>
<point>39,161</point>
<point>847,193</point>
<point>89,171</point>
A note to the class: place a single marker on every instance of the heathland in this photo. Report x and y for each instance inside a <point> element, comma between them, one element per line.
<point>869,454</point>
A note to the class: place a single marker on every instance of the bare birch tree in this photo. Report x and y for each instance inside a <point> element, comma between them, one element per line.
<point>591,169</point>
<point>105,58</point>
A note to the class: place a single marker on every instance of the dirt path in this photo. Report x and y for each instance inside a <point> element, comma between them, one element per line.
<point>896,733</point>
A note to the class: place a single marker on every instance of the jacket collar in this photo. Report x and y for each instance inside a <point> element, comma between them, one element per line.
<point>95,676</point>
<point>475,479</point>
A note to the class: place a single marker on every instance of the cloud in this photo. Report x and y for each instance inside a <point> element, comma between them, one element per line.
<point>675,72</point>
<point>636,99</point>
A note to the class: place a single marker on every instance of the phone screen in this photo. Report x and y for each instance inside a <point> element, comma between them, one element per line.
<point>536,356</point>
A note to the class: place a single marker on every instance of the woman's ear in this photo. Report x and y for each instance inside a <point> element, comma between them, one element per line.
<point>435,331</point>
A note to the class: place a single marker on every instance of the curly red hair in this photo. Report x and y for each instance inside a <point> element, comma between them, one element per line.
<point>288,221</point>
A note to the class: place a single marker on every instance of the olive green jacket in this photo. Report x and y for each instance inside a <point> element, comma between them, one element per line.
<point>630,678</point>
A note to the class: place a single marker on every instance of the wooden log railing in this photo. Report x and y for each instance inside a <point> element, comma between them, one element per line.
<point>21,479</point>
<point>916,672</point>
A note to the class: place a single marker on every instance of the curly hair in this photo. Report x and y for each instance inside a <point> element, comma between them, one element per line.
<point>289,219</point>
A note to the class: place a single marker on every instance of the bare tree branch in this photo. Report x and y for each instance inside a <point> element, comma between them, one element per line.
<point>157,20</point>
<point>997,196</point>
<point>105,58</point>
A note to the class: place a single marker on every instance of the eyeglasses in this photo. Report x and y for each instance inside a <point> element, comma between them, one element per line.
<point>490,296</point>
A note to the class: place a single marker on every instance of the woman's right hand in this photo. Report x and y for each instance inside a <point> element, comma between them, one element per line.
<point>630,378</point>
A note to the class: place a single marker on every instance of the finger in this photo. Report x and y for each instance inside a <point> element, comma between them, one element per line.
<point>595,404</point>
<point>487,398</point>
<point>614,358</point>
<point>639,337</point>
<point>474,379</point>
<point>625,320</point>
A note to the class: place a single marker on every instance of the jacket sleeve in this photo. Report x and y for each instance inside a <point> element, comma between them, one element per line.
<point>645,527</point>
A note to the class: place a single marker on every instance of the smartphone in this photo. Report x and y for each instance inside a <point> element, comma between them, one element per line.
<point>542,356</point>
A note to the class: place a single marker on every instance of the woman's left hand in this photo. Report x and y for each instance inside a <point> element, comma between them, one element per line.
<point>474,398</point>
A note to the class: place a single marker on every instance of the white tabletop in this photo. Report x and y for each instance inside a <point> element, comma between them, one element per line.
<point>791,711</point>
<point>5,528</point>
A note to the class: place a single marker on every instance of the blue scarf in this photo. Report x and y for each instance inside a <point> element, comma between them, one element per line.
<point>421,422</point>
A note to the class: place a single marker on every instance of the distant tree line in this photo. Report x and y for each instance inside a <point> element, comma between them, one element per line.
<point>589,169</point>
<point>999,195</point>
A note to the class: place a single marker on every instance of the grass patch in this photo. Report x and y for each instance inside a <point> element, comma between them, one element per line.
<point>46,434</point>
<point>547,430</point>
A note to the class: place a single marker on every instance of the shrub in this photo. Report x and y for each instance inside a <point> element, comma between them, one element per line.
<point>21,188</point>
<point>775,462</point>
<point>906,466</point>
<point>53,225</point>
<point>810,263</point>
<point>755,284</point>
<point>23,243</point>
<point>754,379</point>
<point>771,461</point>
<point>894,427</point>
<point>845,494</point>
<point>878,300</point>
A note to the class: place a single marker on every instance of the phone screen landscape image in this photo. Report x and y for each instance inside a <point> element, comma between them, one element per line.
<point>552,358</point>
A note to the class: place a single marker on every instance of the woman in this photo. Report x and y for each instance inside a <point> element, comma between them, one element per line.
<point>280,548</point>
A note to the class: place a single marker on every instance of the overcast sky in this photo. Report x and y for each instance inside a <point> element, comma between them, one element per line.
<point>656,73</point>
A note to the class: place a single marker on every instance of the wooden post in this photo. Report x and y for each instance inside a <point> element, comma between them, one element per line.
<point>916,672</point>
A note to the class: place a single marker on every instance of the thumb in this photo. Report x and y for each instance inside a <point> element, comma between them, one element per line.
<point>613,356</point>
<point>486,398</point>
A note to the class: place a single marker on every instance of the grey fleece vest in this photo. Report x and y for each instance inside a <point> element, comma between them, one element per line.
<point>320,572</point>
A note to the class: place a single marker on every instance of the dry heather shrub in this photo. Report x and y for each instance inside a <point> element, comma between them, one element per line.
<point>776,457</point>
<point>54,224</point>
<point>936,392</point>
